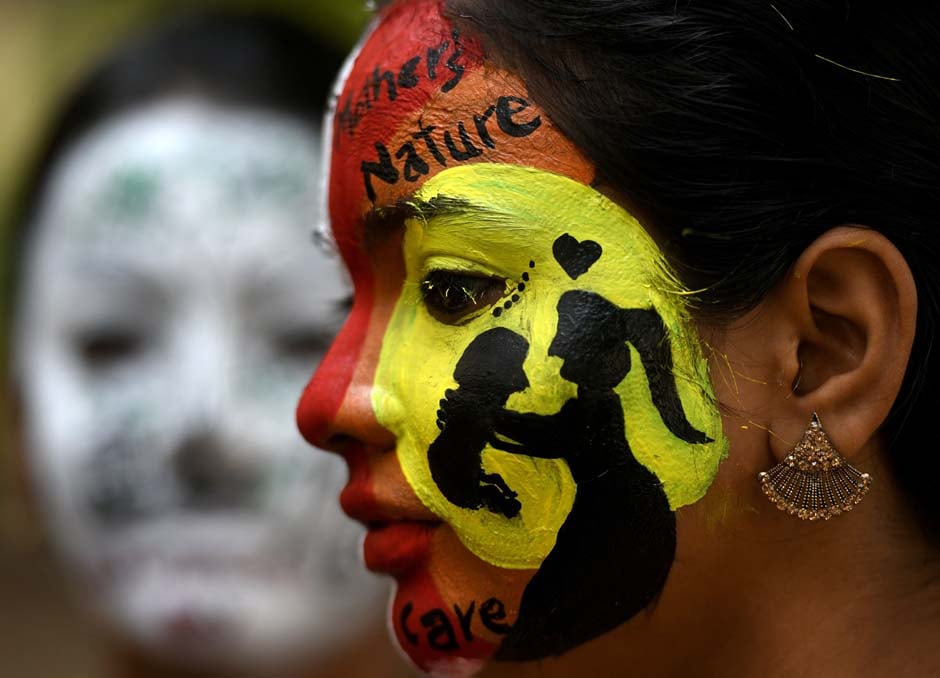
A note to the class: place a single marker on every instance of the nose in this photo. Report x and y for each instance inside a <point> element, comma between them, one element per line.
<point>215,465</point>
<point>335,409</point>
<point>206,366</point>
<point>211,477</point>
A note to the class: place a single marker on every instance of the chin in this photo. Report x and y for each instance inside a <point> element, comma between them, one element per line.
<point>211,620</point>
<point>204,608</point>
<point>429,633</point>
<point>192,611</point>
<point>456,667</point>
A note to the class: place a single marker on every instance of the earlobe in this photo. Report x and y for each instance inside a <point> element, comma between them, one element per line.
<point>852,304</point>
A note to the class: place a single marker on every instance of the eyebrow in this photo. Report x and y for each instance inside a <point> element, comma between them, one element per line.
<point>449,205</point>
<point>381,221</point>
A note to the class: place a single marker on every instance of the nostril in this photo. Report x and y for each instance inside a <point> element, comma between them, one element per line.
<point>338,442</point>
<point>209,478</point>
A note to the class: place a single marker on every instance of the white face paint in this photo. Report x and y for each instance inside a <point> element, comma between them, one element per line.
<point>172,307</point>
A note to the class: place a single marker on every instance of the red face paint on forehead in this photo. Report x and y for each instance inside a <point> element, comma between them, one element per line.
<point>421,98</point>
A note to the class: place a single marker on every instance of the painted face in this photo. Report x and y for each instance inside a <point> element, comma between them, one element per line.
<point>171,307</point>
<point>519,390</point>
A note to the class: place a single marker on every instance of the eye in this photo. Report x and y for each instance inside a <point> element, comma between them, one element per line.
<point>104,348</point>
<point>302,343</point>
<point>451,297</point>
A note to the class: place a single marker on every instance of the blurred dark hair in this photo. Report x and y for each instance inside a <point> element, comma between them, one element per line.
<point>744,130</point>
<point>250,59</point>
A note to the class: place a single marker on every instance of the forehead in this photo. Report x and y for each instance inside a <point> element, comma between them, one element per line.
<point>419,98</point>
<point>181,172</point>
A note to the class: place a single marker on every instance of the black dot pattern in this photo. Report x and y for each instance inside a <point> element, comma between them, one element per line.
<point>514,293</point>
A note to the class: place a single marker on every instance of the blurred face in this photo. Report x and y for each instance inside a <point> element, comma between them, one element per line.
<point>171,307</point>
<point>518,390</point>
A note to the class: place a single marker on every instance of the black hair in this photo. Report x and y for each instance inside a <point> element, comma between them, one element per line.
<point>242,58</point>
<point>744,130</point>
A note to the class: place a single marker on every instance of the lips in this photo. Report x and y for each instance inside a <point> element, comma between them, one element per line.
<point>399,527</point>
<point>398,548</point>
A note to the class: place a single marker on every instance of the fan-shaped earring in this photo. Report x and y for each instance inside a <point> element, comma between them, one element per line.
<point>814,481</point>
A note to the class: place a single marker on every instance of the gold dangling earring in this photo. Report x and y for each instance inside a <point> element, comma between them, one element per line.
<point>814,481</point>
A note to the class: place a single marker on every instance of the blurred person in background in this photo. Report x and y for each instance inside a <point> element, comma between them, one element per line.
<point>168,308</point>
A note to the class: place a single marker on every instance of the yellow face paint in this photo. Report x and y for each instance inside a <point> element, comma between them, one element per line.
<point>519,252</point>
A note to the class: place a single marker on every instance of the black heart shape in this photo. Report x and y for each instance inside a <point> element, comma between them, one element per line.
<point>575,257</point>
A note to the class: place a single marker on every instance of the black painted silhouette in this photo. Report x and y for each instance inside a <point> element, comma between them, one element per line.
<point>488,372</point>
<point>615,549</point>
<point>576,258</point>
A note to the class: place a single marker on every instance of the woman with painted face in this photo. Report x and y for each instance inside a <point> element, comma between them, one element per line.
<point>697,243</point>
<point>170,304</point>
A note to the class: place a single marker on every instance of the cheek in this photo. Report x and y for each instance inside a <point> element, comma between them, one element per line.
<point>67,408</point>
<point>457,474</point>
<point>89,448</point>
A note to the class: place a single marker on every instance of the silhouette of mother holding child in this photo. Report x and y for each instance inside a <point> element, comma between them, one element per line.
<point>619,507</point>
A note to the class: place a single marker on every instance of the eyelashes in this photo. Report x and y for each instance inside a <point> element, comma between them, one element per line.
<point>451,297</point>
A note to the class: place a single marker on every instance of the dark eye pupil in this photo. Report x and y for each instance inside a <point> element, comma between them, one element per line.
<point>302,343</point>
<point>106,348</point>
<point>453,294</point>
<point>453,298</point>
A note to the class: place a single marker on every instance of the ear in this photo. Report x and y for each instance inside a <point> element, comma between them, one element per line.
<point>850,308</point>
